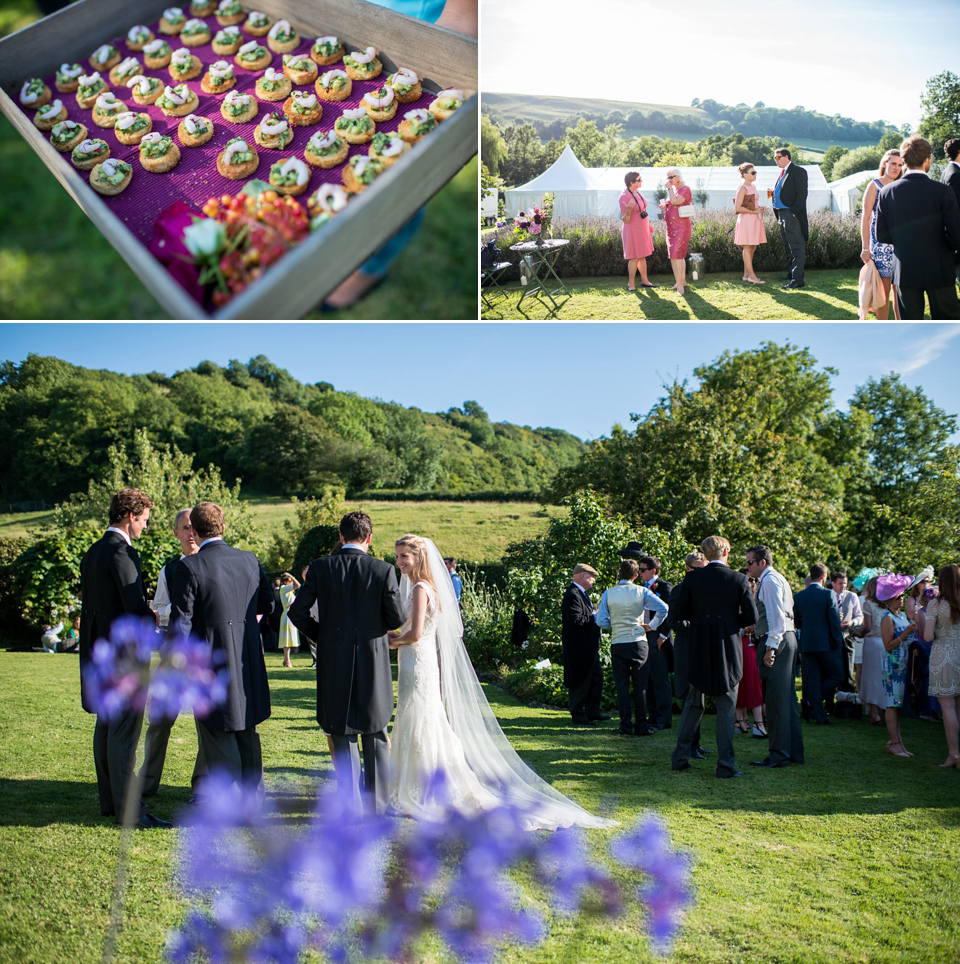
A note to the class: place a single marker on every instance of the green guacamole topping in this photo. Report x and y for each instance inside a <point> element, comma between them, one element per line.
<point>156,148</point>
<point>399,88</point>
<point>296,62</point>
<point>240,157</point>
<point>164,101</point>
<point>353,125</point>
<point>277,178</point>
<point>370,172</point>
<point>123,169</point>
<point>254,54</point>
<point>199,28</point>
<point>92,88</point>
<point>327,151</point>
<point>326,49</point>
<point>79,155</point>
<point>64,79</point>
<point>423,127</point>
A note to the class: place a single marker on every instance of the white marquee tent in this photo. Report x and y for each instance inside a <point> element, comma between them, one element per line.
<point>848,191</point>
<point>596,191</point>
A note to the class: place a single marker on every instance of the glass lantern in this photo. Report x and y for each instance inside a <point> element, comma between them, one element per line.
<point>696,266</point>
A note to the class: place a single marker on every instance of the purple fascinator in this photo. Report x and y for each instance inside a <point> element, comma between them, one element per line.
<point>892,584</point>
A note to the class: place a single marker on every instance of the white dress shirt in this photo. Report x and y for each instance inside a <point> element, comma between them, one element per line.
<point>777,598</point>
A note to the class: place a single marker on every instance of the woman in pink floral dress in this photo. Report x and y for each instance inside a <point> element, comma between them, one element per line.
<point>637,232</point>
<point>678,229</point>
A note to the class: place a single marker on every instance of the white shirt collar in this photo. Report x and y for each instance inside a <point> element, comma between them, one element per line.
<point>125,535</point>
<point>211,539</point>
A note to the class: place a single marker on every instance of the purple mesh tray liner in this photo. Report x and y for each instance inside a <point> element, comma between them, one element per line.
<point>195,178</point>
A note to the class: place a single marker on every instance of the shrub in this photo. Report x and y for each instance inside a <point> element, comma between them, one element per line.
<point>596,248</point>
<point>487,622</point>
<point>316,542</point>
<point>859,159</point>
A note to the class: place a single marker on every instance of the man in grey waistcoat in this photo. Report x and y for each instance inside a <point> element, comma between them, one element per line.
<point>776,642</point>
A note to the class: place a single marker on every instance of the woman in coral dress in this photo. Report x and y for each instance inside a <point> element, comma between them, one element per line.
<point>679,228</point>
<point>637,232</point>
<point>750,230</point>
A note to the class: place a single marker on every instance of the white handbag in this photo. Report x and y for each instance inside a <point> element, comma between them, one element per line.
<point>685,210</point>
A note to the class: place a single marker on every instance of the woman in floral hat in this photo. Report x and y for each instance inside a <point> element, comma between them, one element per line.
<point>895,630</point>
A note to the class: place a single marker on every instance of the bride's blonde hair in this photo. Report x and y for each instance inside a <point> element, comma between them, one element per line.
<point>421,564</point>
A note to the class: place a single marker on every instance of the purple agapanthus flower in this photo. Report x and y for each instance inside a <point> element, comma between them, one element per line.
<point>120,676</point>
<point>666,891</point>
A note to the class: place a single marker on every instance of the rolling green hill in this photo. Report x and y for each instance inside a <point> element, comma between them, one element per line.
<point>525,107</point>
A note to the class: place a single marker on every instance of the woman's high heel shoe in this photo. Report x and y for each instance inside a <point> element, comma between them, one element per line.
<point>952,761</point>
<point>891,749</point>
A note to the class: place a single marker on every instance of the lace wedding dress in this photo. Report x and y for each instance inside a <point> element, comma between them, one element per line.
<point>444,723</point>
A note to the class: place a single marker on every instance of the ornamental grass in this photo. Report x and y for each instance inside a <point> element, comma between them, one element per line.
<point>596,248</point>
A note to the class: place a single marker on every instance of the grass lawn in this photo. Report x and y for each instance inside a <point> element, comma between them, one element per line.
<point>828,295</point>
<point>471,531</point>
<point>851,858</point>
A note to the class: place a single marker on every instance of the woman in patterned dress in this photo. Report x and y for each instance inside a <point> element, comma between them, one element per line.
<point>289,638</point>
<point>750,231</point>
<point>942,629</point>
<point>636,231</point>
<point>895,630</point>
<point>678,229</point>
<point>891,164</point>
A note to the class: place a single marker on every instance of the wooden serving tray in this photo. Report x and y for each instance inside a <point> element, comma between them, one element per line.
<point>307,273</point>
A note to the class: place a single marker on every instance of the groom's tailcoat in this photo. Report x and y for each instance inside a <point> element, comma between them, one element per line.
<point>358,602</point>
<point>717,602</point>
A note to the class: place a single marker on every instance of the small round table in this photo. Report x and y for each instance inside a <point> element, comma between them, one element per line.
<point>540,259</point>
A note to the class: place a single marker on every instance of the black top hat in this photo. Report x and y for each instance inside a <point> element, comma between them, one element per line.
<point>632,550</point>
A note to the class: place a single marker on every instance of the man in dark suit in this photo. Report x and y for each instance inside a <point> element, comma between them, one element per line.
<point>681,655</point>
<point>921,219</point>
<point>717,603</point>
<point>580,638</point>
<point>357,603</point>
<point>790,208</point>
<point>217,594</point>
<point>951,177</point>
<point>657,667</point>
<point>111,586</point>
<point>820,642</point>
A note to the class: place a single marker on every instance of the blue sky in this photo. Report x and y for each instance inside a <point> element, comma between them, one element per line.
<point>865,59</point>
<point>580,377</point>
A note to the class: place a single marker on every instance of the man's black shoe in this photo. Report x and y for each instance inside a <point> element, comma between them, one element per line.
<point>679,766</point>
<point>584,722</point>
<point>794,284</point>
<point>662,726</point>
<point>704,751</point>
<point>729,774</point>
<point>620,732</point>
<point>147,819</point>
<point>697,754</point>
<point>602,716</point>
<point>645,731</point>
<point>767,762</point>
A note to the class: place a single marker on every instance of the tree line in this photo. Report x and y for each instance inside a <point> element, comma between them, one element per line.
<point>757,452</point>
<point>259,426</point>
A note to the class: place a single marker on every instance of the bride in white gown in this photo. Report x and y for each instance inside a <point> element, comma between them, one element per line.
<point>443,720</point>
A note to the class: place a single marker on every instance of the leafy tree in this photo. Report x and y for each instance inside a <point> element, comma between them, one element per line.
<point>941,111</point>
<point>493,148</point>
<point>524,154</point>
<point>830,158</point>
<point>748,454</point>
<point>906,447</point>
<point>859,159</point>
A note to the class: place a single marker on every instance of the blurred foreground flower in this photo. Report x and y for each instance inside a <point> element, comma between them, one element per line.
<point>370,889</point>
<point>189,676</point>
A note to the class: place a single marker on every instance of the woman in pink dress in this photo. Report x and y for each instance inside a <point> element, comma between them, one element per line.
<point>750,230</point>
<point>678,229</point>
<point>637,232</point>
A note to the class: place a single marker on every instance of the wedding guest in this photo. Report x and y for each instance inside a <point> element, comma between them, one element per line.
<point>916,701</point>
<point>942,630</point>
<point>451,563</point>
<point>750,231</point>
<point>71,643</point>
<point>851,621</point>
<point>951,177</point>
<point>870,686</point>
<point>50,638</point>
<point>580,639</point>
<point>895,630</point>
<point>891,164</point>
<point>750,690</point>
<point>921,219</point>
<point>790,208</point>
<point>636,232</point>
<point>679,226</point>
<point>289,637</point>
